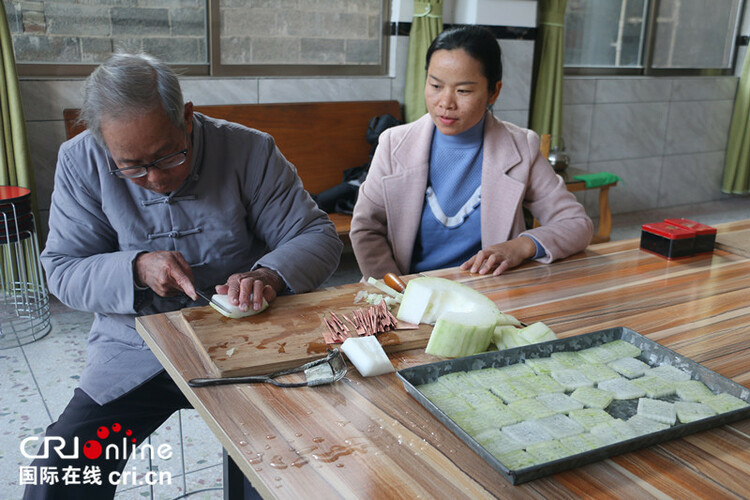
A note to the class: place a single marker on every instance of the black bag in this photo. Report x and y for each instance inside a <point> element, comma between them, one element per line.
<point>341,198</point>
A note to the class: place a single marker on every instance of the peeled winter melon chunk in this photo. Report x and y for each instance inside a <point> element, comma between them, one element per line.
<point>415,302</point>
<point>425,299</point>
<point>537,332</point>
<point>458,334</point>
<point>464,319</point>
<point>507,336</point>
<point>234,311</point>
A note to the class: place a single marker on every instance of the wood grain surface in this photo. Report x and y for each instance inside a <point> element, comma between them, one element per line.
<point>737,242</point>
<point>286,335</point>
<point>367,438</point>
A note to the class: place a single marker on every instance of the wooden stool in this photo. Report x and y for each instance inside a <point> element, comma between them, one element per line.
<point>605,214</point>
<point>24,301</point>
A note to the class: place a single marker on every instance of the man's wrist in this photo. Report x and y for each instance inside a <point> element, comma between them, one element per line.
<point>139,285</point>
<point>272,278</point>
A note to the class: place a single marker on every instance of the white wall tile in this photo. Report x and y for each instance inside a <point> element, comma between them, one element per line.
<point>577,131</point>
<point>272,90</point>
<point>518,117</point>
<point>205,91</point>
<point>618,90</point>
<point>698,126</point>
<point>691,178</point>
<point>517,59</point>
<point>496,12</point>
<point>621,131</point>
<point>46,99</point>
<point>402,10</point>
<point>45,138</point>
<point>579,90</point>
<point>398,82</point>
<point>704,89</point>
<point>639,188</point>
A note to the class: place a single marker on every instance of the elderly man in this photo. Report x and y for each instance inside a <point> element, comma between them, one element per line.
<point>152,202</point>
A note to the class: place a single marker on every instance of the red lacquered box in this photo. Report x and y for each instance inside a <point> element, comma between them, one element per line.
<point>668,240</point>
<point>705,236</point>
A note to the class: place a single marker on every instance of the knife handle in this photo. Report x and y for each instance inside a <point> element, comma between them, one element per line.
<point>394,282</point>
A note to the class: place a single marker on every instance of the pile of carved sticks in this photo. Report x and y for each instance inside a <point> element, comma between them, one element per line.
<point>366,321</point>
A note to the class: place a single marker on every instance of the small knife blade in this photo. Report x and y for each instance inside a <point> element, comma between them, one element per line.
<point>211,300</point>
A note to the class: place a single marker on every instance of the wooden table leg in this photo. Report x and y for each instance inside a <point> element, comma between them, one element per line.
<point>605,217</point>
<point>236,486</point>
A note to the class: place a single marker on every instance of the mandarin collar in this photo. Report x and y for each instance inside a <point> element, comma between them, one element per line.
<point>471,137</point>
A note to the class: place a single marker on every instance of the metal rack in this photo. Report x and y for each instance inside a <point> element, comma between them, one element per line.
<point>24,300</point>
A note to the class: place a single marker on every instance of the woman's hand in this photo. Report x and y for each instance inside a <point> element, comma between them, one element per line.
<point>263,283</point>
<point>501,257</point>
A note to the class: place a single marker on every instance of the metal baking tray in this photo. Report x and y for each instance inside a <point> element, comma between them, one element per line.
<point>652,353</point>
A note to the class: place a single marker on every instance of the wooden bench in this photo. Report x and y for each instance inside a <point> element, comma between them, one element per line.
<point>321,139</point>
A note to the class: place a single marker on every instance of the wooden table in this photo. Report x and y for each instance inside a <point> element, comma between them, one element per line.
<point>367,438</point>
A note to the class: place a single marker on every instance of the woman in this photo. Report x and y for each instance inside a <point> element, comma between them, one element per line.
<point>449,189</point>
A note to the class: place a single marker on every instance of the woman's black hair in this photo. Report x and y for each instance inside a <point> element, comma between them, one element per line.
<point>479,43</point>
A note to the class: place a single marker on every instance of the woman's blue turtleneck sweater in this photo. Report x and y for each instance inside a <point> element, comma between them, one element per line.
<point>450,231</point>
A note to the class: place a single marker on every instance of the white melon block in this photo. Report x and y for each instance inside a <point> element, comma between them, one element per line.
<point>367,356</point>
<point>661,411</point>
<point>415,302</point>
<point>234,311</point>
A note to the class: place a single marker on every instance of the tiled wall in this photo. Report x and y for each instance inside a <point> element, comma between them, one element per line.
<point>665,137</point>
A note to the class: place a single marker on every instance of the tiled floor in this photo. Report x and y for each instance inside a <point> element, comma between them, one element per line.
<point>37,380</point>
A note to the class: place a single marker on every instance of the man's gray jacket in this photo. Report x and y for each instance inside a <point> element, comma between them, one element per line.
<point>242,206</point>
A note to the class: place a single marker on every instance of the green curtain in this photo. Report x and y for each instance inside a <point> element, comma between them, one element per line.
<point>427,24</point>
<point>737,163</point>
<point>15,162</point>
<point>545,116</point>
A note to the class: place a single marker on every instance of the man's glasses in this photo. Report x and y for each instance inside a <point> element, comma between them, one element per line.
<point>165,163</point>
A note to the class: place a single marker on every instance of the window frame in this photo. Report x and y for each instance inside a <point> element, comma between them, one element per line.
<point>648,54</point>
<point>321,70</point>
<point>214,68</point>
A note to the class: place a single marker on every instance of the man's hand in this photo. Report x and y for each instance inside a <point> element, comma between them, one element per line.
<point>166,273</point>
<point>259,284</point>
<point>501,257</point>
